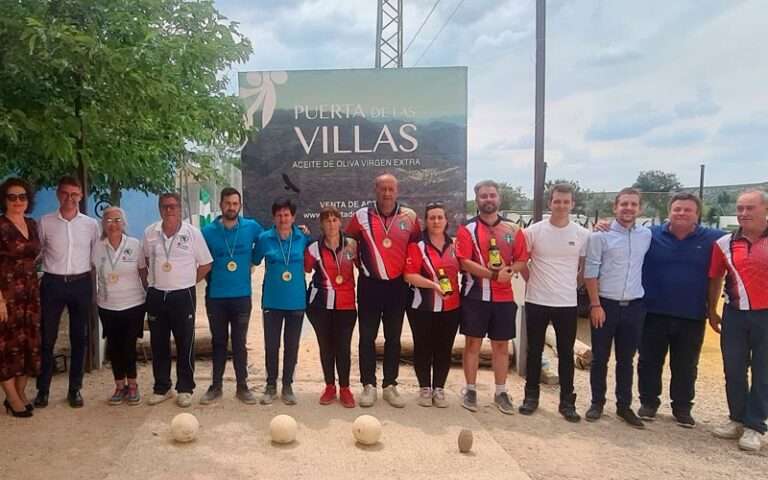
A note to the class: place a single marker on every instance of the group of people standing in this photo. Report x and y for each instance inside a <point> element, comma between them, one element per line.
<point>649,289</point>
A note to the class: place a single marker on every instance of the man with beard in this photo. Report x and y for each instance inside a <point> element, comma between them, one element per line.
<point>383,231</point>
<point>613,277</point>
<point>490,251</point>
<point>231,240</point>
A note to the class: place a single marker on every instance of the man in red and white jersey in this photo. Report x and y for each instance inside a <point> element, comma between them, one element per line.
<point>383,231</point>
<point>742,257</point>
<point>490,250</point>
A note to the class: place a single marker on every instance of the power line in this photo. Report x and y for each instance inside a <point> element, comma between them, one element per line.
<point>439,32</point>
<point>421,26</point>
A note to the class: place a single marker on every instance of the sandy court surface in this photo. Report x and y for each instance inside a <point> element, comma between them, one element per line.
<point>100,441</point>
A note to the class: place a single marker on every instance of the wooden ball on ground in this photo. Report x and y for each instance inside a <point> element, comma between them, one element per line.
<point>184,427</point>
<point>367,429</point>
<point>283,429</point>
<point>465,440</point>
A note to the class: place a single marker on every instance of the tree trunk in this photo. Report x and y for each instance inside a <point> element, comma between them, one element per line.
<point>115,194</point>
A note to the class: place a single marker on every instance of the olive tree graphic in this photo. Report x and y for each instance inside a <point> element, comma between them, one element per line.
<point>262,86</point>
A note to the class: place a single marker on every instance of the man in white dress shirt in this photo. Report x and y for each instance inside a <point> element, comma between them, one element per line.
<point>67,238</point>
<point>177,258</point>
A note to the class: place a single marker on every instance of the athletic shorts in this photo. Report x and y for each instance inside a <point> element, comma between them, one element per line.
<point>496,320</point>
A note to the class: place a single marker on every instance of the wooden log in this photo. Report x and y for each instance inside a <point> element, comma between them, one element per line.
<point>581,351</point>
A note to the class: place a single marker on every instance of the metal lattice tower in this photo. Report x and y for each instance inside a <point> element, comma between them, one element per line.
<point>389,34</point>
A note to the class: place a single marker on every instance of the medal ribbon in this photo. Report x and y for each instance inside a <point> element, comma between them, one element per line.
<point>113,263</point>
<point>286,258</point>
<point>231,251</point>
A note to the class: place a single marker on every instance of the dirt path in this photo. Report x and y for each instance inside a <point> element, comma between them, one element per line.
<point>99,441</point>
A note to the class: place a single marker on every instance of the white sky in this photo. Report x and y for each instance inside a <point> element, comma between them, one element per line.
<point>630,85</point>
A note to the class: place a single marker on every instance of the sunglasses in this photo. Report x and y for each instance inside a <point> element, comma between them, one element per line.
<point>16,197</point>
<point>116,220</point>
<point>432,205</point>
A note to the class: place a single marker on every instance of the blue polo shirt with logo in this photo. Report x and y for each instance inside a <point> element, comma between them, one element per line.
<point>675,272</point>
<point>242,240</point>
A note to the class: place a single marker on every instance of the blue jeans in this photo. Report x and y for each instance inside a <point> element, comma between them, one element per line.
<point>273,327</point>
<point>744,342</point>
<point>225,314</point>
<point>623,326</point>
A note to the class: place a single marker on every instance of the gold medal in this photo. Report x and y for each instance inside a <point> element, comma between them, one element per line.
<point>287,276</point>
<point>386,243</point>
<point>113,277</point>
<point>167,267</point>
<point>339,279</point>
<point>232,266</point>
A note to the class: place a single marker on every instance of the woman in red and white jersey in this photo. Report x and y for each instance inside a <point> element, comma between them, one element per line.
<point>331,302</point>
<point>432,269</point>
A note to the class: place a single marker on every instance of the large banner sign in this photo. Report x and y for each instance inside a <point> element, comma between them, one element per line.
<point>323,136</point>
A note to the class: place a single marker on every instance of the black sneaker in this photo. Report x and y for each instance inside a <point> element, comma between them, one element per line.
<point>684,419</point>
<point>594,413</point>
<point>629,416</point>
<point>41,400</point>
<point>529,406</point>
<point>75,399</point>
<point>568,411</point>
<point>647,413</point>
<point>211,395</point>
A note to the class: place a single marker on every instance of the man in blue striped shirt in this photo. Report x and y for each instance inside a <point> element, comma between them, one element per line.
<point>613,277</point>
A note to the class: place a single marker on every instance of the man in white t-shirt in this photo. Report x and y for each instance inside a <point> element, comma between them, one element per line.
<point>178,258</point>
<point>557,249</point>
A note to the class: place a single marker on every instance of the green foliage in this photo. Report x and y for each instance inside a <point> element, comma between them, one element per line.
<point>580,195</point>
<point>656,186</point>
<point>123,86</point>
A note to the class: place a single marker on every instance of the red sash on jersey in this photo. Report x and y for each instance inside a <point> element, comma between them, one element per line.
<point>473,242</point>
<point>426,260</point>
<point>324,291</point>
<point>383,241</point>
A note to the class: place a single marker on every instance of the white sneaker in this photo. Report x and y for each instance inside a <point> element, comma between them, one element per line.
<point>425,397</point>
<point>392,397</point>
<point>368,396</point>
<point>184,400</point>
<point>438,398</point>
<point>160,397</point>
<point>729,430</point>
<point>750,440</point>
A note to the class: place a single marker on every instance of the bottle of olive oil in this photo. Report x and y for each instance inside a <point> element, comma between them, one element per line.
<point>494,256</point>
<point>445,282</point>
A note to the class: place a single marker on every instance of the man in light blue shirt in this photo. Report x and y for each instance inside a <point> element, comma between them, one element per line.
<point>613,277</point>
<point>231,240</point>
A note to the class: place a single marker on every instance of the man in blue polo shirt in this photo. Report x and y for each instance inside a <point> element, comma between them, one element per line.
<point>675,281</point>
<point>231,240</point>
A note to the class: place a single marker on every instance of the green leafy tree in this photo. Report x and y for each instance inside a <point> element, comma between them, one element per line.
<point>119,89</point>
<point>656,186</point>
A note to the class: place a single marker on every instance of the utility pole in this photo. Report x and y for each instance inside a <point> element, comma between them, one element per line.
<point>389,34</point>
<point>539,168</point>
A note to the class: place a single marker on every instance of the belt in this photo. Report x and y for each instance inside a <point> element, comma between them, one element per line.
<point>69,278</point>
<point>622,303</point>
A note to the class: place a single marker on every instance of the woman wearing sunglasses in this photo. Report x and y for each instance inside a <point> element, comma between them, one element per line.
<point>19,296</point>
<point>433,313</point>
<point>121,280</point>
